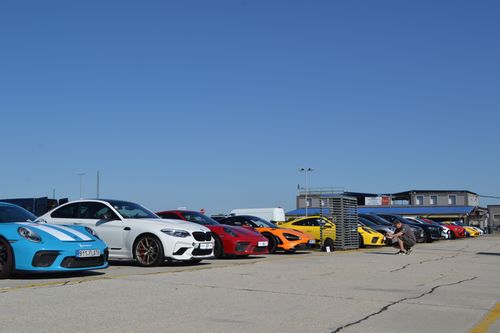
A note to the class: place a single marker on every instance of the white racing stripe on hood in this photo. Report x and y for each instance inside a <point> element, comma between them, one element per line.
<point>73,232</point>
<point>54,232</point>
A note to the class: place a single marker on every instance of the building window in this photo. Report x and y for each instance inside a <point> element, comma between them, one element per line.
<point>496,217</point>
<point>452,200</point>
<point>419,200</point>
<point>309,202</point>
<point>434,200</point>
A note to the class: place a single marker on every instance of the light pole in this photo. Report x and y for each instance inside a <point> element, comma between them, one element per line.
<point>306,170</point>
<point>81,174</point>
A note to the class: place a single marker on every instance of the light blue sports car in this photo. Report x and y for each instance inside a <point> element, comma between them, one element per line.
<point>42,247</point>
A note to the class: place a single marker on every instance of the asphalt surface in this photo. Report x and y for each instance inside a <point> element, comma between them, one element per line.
<point>446,286</point>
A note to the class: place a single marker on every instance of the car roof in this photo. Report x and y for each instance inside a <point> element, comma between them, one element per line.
<point>6,204</point>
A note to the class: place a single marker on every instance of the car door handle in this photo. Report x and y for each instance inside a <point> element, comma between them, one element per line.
<point>78,223</point>
<point>126,228</point>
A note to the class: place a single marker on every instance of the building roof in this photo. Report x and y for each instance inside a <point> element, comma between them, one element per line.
<point>417,210</point>
<point>433,191</point>
<point>398,210</point>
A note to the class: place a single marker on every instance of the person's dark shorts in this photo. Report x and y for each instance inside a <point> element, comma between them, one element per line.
<point>408,242</point>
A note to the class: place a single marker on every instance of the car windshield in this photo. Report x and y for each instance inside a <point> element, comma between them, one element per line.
<point>260,223</point>
<point>15,214</point>
<point>199,218</point>
<point>130,210</point>
<point>367,222</point>
<point>379,220</point>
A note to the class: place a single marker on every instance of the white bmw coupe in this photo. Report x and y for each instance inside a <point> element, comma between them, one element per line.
<point>133,232</point>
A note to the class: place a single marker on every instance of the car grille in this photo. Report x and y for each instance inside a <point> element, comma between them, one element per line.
<point>74,262</point>
<point>242,246</point>
<point>202,236</point>
<point>260,248</point>
<point>44,258</point>
<point>300,246</point>
<point>200,252</point>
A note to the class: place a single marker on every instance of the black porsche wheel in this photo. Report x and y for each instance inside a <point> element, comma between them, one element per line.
<point>218,250</point>
<point>361,242</point>
<point>6,259</point>
<point>428,237</point>
<point>328,243</point>
<point>272,242</point>
<point>148,251</point>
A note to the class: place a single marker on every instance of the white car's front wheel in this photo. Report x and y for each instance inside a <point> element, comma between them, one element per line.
<point>148,251</point>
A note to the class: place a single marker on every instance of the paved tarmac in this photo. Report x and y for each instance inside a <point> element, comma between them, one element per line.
<point>446,286</point>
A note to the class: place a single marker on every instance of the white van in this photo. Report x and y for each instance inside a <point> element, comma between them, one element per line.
<point>269,214</point>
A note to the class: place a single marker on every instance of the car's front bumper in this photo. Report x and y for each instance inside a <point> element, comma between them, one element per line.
<point>56,259</point>
<point>188,250</point>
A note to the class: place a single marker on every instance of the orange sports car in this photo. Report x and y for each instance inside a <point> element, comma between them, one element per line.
<point>285,239</point>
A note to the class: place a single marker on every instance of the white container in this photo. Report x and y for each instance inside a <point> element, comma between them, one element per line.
<point>269,214</point>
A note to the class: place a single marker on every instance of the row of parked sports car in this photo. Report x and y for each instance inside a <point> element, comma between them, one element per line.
<point>84,234</point>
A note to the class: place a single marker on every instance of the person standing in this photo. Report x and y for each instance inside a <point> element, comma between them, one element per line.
<point>402,238</point>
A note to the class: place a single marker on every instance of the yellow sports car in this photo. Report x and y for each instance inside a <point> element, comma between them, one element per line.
<point>368,236</point>
<point>311,226</point>
<point>472,231</point>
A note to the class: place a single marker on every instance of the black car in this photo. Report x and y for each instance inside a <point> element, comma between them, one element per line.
<point>383,229</point>
<point>419,232</point>
<point>430,232</point>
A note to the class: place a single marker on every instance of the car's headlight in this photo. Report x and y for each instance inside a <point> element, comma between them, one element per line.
<point>29,234</point>
<point>291,237</point>
<point>229,231</point>
<point>176,233</point>
<point>92,232</point>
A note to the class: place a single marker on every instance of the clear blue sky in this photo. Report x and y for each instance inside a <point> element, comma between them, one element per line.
<point>216,104</point>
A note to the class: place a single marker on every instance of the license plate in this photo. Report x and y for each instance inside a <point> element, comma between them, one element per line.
<point>206,246</point>
<point>88,253</point>
<point>263,244</point>
<point>312,241</point>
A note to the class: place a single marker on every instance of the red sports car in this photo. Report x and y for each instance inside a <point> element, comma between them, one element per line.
<point>456,231</point>
<point>229,240</point>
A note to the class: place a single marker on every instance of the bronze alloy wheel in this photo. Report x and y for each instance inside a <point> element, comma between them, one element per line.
<point>5,259</point>
<point>148,251</point>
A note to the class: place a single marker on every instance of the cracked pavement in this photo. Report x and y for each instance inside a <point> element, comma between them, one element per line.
<point>446,286</point>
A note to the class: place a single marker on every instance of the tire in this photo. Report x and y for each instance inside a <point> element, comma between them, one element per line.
<point>218,249</point>
<point>428,237</point>
<point>272,242</point>
<point>148,251</point>
<point>361,242</point>
<point>452,235</point>
<point>6,259</point>
<point>328,243</point>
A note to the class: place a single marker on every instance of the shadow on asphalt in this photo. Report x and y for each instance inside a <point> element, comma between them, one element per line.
<point>489,253</point>
<point>384,253</point>
<point>130,263</point>
<point>290,253</point>
<point>62,275</point>
<point>229,258</point>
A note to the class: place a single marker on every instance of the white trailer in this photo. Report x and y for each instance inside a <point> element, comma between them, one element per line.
<point>269,214</point>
